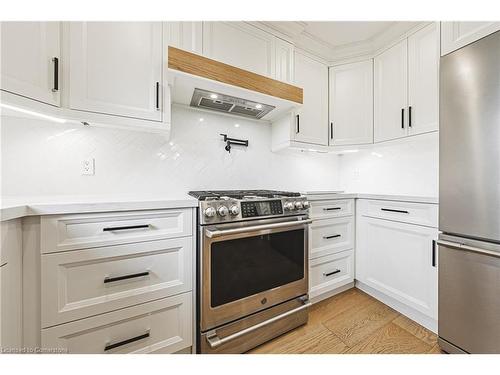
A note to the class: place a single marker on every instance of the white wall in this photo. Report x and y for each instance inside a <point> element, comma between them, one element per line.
<point>406,167</point>
<point>41,158</point>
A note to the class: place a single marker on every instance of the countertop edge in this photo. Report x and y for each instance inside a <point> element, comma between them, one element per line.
<point>40,209</point>
<point>386,197</point>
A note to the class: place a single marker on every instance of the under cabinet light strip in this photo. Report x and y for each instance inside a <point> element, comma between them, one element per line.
<point>33,113</point>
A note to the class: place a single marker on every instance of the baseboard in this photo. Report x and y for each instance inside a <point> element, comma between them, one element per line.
<point>332,292</point>
<point>415,315</point>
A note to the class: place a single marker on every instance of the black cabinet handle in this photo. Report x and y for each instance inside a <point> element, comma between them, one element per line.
<point>409,116</point>
<point>330,273</point>
<point>56,74</point>
<point>332,208</point>
<point>331,130</point>
<point>125,277</point>
<point>157,96</point>
<point>127,341</point>
<point>402,118</point>
<point>433,253</point>
<point>129,227</point>
<point>332,236</point>
<point>298,123</point>
<point>392,210</point>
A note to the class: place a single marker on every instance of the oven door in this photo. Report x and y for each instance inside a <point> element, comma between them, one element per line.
<point>248,267</point>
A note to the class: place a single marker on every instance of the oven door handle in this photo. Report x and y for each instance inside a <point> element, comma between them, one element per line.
<point>214,341</point>
<point>218,233</point>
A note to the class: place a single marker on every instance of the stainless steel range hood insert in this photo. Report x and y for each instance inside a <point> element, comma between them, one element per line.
<point>229,104</point>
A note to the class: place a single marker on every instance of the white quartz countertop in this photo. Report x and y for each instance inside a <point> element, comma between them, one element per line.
<point>388,197</point>
<point>15,207</point>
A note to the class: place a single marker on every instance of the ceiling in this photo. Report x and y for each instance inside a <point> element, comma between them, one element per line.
<point>334,39</point>
<point>342,33</point>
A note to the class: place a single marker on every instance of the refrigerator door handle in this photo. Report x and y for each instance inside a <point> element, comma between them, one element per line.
<point>459,246</point>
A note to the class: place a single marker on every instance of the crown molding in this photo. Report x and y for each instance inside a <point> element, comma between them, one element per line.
<point>295,33</point>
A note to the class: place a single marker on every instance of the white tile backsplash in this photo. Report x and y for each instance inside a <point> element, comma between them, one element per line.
<point>43,158</point>
<point>401,167</point>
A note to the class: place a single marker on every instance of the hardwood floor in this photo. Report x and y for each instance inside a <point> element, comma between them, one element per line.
<point>354,322</point>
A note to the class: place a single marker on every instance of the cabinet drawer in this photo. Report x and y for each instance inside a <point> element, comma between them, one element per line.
<point>331,208</point>
<point>162,326</point>
<point>330,272</point>
<point>70,232</point>
<point>81,283</point>
<point>330,236</point>
<point>406,212</point>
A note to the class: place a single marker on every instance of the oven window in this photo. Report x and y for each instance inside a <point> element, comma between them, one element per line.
<point>246,266</point>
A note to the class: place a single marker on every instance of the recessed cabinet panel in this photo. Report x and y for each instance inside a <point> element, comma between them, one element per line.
<point>311,121</point>
<point>185,35</point>
<point>397,260</point>
<point>390,93</point>
<point>330,272</point>
<point>116,68</point>
<point>456,34</point>
<point>331,236</point>
<point>77,284</point>
<point>162,326</point>
<point>351,103</point>
<point>241,45</point>
<point>284,61</point>
<point>27,60</point>
<point>423,80</point>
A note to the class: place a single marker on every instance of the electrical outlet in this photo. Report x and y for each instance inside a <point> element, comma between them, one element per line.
<point>88,167</point>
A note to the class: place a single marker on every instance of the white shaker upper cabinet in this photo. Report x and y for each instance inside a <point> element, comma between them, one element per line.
<point>390,93</point>
<point>284,61</point>
<point>116,68</point>
<point>455,35</point>
<point>351,104</point>
<point>311,120</point>
<point>423,80</point>
<point>185,35</point>
<point>30,60</point>
<point>241,45</point>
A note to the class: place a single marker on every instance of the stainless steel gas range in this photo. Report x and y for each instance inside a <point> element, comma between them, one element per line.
<point>252,267</point>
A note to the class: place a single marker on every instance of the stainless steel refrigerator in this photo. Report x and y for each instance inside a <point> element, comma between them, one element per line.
<point>469,198</point>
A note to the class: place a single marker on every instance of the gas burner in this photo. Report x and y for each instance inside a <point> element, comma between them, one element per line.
<point>241,194</point>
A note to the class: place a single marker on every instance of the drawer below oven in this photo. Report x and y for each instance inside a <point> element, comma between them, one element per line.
<point>247,333</point>
<point>330,272</point>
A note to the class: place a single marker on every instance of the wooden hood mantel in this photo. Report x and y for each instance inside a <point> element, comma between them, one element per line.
<point>197,65</point>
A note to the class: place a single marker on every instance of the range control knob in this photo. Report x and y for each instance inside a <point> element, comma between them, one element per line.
<point>210,212</point>
<point>306,205</point>
<point>222,211</point>
<point>299,205</point>
<point>289,206</point>
<point>234,210</point>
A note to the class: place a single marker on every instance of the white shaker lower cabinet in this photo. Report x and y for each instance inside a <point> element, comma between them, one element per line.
<point>331,247</point>
<point>117,282</point>
<point>115,68</point>
<point>10,286</point>
<point>81,283</point>
<point>30,60</point>
<point>161,326</point>
<point>457,34</point>
<point>396,262</point>
<point>328,273</point>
